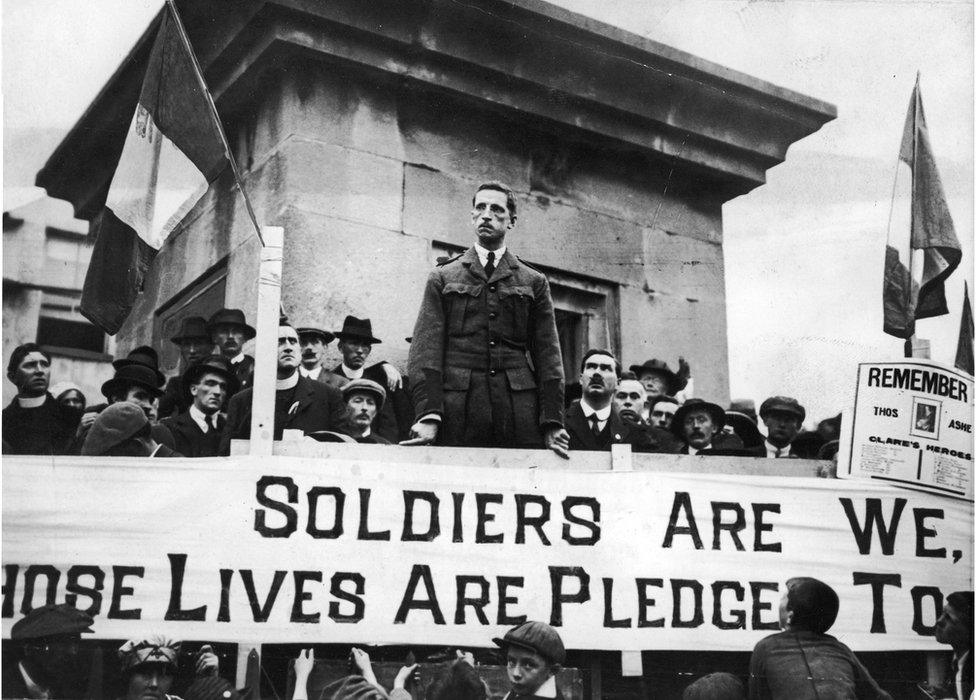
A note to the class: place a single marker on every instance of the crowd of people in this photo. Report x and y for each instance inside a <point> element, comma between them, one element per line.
<point>801,662</point>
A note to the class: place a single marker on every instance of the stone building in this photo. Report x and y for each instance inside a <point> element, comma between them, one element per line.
<point>363,128</point>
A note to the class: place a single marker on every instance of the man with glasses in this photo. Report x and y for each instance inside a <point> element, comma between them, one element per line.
<point>47,662</point>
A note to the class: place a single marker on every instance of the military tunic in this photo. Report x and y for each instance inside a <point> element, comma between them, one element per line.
<point>485,354</point>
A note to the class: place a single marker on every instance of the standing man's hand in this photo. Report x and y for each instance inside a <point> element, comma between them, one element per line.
<point>423,432</point>
<point>557,440</point>
<point>394,380</point>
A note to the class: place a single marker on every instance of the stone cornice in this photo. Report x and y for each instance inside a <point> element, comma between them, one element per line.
<point>535,62</point>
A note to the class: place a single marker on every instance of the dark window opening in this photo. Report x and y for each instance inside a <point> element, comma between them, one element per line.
<point>64,333</point>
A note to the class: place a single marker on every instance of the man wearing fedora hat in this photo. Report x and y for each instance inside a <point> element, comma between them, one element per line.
<point>196,432</point>
<point>313,342</point>
<point>659,380</point>
<point>229,331</point>
<point>193,340</point>
<point>699,424</point>
<point>34,422</point>
<point>356,342</point>
<point>485,365</point>
<point>300,403</point>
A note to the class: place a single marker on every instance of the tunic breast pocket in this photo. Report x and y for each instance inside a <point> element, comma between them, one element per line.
<point>516,303</point>
<point>457,296</point>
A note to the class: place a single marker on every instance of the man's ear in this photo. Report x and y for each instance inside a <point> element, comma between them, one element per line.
<point>511,221</point>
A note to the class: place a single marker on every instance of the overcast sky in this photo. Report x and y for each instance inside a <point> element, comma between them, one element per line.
<point>803,253</point>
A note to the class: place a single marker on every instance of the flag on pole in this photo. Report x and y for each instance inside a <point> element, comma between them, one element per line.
<point>964,350</point>
<point>918,263</point>
<point>173,150</point>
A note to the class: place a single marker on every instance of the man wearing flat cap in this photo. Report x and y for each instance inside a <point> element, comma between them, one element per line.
<point>535,654</point>
<point>196,432</point>
<point>122,430</point>
<point>35,423</point>
<point>699,424</point>
<point>356,342</point>
<point>300,403</point>
<point>364,400</point>
<point>485,365</point>
<point>48,662</point>
<point>229,331</point>
<point>313,342</point>
<point>783,416</point>
<point>193,340</point>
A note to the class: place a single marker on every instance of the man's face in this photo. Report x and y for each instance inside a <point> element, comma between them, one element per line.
<point>312,350</point>
<point>194,350</point>
<point>699,429</point>
<point>362,409</point>
<point>32,375</point>
<point>950,628</point>
<point>662,414</point>
<point>73,400</point>
<point>527,670</point>
<point>57,656</point>
<point>141,397</point>
<point>599,377</point>
<point>209,392</point>
<point>784,613</point>
<point>354,352</point>
<point>630,399</point>
<point>782,427</point>
<point>149,682</point>
<point>229,338</point>
<point>491,218</point>
<point>654,384</point>
<point>288,350</point>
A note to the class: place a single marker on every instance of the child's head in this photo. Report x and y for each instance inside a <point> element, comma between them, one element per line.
<point>808,604</point>
<point>534,654</point>
<point>459,682</point>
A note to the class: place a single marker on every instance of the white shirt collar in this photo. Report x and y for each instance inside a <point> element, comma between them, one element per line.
<point>547,689</point>
<point>771,450</point>
<point>483,254</point>
<point>353,373</point>
<point>695,450</point>
<point>159,446</point>
<point>602,414</point>
<point>200,418</point>
<point>289,383</point>
<point>238,358</point>
<point>310,373</point>
<point>32,401</point>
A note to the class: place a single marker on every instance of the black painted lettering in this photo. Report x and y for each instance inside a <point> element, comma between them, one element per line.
<point>476,603</point>
<point>682,503</point>
<point>919,594</point>
<point>758,511</point>
<point>644,603</point>
<point>738,621</point>
<point>733,528</point>
<point>364,532</point>
<point>557,574</point>
<point>873,516</point>
<point>608,620</point>
<point>570,504</point>
<point>51,576</point>
<point>504,600</point>
<point>410,498</point>
<point>74,588</point>
<point>877,583</point>
<point>924,532</point>
<point>683,584</point>
<point>523,519</point>
<point>223,610</point>
<point>355,596</point>
<point>420,572</point>
<point>175,611</point>
<point>339,503</point>
<point>484,517</point>
<point>10,572</point>
<point>759,606</point>
<point>298,613</point>
<point>120,591</point>
<point>261,611</point>
<point>291,515</point>
<point>458,534</point>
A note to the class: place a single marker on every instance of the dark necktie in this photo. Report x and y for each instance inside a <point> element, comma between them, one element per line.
<point>210,424</point>
<point>595,424</point>
<point>490,266</point>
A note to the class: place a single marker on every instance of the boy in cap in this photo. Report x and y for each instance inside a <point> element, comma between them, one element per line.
<point>122,430</point>
<point>47,663</point>
<point>535,654</point>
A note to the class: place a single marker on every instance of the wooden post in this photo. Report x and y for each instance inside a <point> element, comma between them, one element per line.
<point>621,458</point>
<point>631,663</point>
<point>266,343</point>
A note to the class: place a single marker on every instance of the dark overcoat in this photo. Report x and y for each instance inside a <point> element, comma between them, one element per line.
<point>189,440</point>
<point>641,438</point>
<point>485,354</point>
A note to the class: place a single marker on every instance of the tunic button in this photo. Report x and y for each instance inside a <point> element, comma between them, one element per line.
<point>491,343</point>
<point>492,372</point>
<point>492,315</point>
<point>491,288</point>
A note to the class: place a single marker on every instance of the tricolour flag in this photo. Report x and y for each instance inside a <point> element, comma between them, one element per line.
<point>918,261</point>
<point>964,350</point>
<point>173,150</point>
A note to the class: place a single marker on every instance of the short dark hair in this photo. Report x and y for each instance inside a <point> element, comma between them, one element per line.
<point>459,682</point>
<point>498,187</point>
<point>663,398</point>
<point>628,375</point>
<point>22,351</point>
<point>813,603</point>
<point>715,686</point>
<point>962,602</point>
<point>598,351</point>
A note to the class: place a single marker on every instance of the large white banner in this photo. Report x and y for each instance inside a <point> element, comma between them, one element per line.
<point>300,550</point>
<point>912,425</point>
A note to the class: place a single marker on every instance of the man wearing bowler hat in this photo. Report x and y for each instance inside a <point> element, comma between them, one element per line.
<point>699,424</point>
<point>196,432</point>
<point>47,662</point>
<point>783,416</point>
<point>193,340</point>
<point>485,365</point>
<point>229,331</point>
<point>313,342</point>
<point>356,341</point>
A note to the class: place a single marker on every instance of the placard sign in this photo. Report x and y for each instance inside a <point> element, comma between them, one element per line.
<point>287,549</point>
<point>912,425</point>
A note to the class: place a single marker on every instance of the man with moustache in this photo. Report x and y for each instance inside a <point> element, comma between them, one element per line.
<point>195,345</point>
<point>594,422</point>
<point>300,403</point>
<point>485,365</point>
<point>197,431</point>
<point>35,423</point>
<point>364,401</point>
<point>229,331</point>
<point>313,342</point>
<point>699,424</point>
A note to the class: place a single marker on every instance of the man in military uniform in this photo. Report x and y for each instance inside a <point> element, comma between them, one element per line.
<point>485,363</point>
